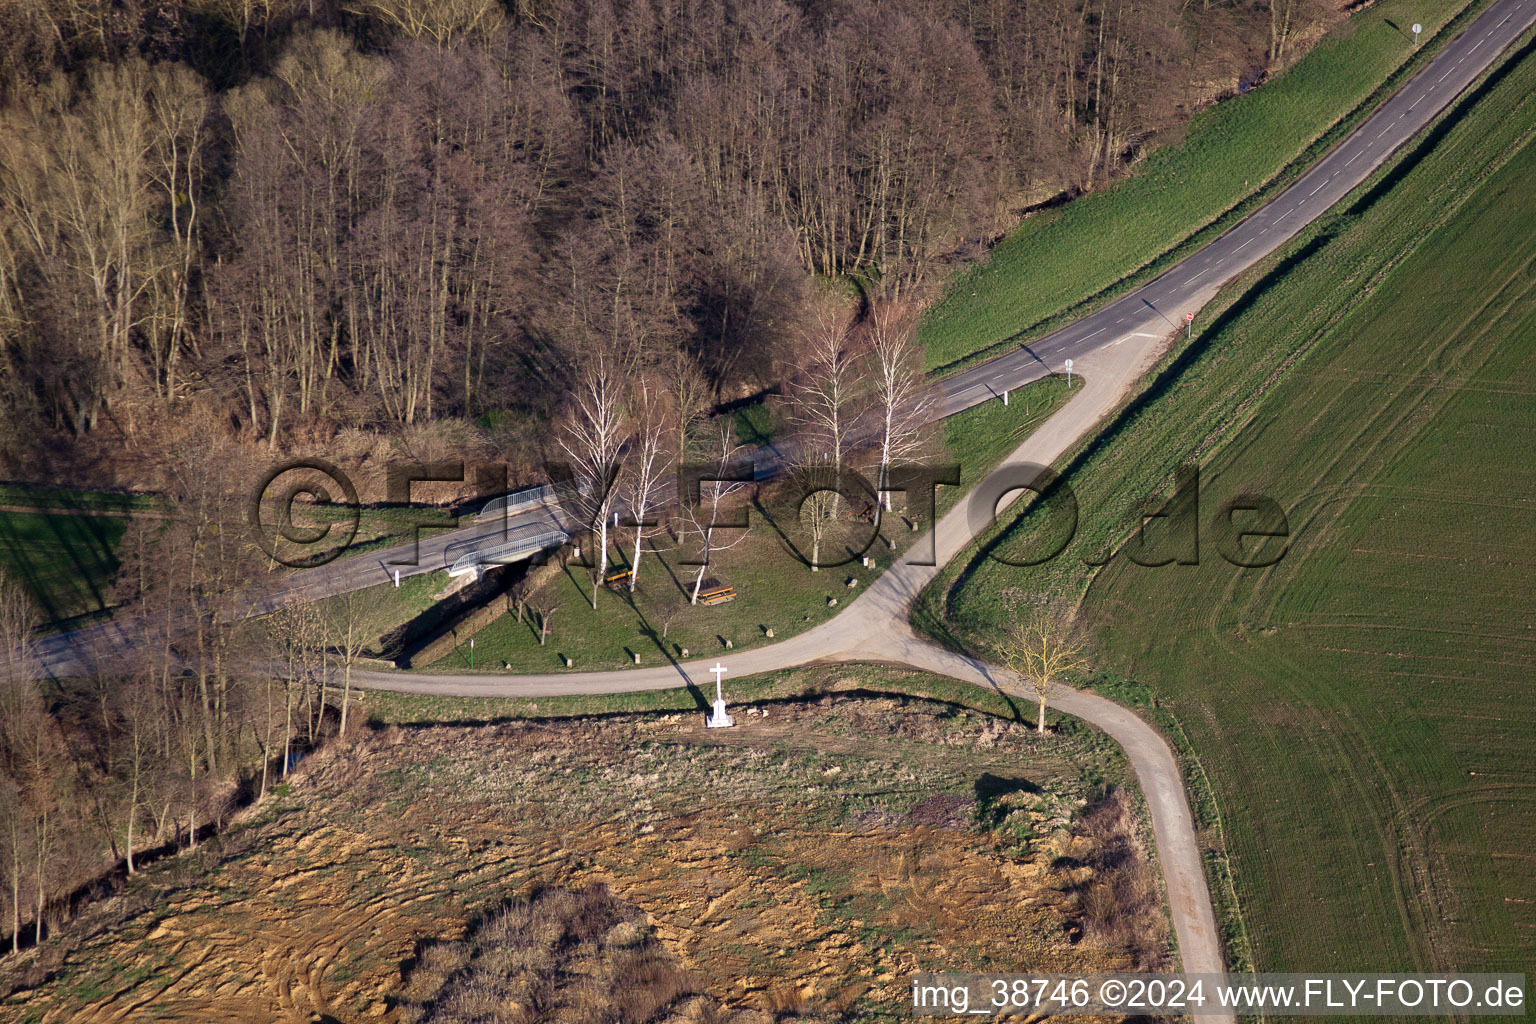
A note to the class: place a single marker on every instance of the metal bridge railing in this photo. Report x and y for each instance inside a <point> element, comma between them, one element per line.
<point>532,497</point>
<point>506,554</point>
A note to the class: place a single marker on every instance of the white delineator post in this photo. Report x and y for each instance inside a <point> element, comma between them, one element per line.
<point>719,719</point>
<point>397,579</point>
<point>1069,373</point>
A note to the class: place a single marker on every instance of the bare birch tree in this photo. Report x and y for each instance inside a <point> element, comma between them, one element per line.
<point>824,393</point>
<point>704,518</point>
<point>902,402</point>
<point>593,439</point>
<point>651,459</point>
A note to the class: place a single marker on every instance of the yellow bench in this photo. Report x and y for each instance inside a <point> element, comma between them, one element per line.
<point>718,595</point>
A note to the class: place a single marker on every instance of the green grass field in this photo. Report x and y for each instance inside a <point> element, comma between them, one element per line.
<point>1055,263</point>
<point>67,562</point>
<point>1362,707</point>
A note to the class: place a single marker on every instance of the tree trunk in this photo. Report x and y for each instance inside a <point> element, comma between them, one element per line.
<point>287,725</point>
<point>634,564</point>
<point>133,801</point>
<point>346,693</point>
<point>602,557</point>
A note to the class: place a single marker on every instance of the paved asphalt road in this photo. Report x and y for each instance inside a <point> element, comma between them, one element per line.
<point>1112,348</point>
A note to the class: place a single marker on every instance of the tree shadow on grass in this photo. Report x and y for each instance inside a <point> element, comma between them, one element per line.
<point>651,633</point>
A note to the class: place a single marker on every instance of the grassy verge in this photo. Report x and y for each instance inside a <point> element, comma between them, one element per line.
<point>55,499</point>
<point>1057,266</point>
<point>386,707</point>
<point>66,561</point>
<point>1360,705</point>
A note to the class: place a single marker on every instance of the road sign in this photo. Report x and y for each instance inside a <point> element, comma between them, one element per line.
<point>1190,317</point>
<point>1417,28</point>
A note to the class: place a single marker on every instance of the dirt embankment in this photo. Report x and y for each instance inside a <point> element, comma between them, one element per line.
<point>803,863</point>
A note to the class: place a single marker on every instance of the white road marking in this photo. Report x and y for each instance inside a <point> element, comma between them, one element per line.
<point>1101,330</point>
<point>1198,276</point>
<point>1317,190</point>
<point>1385,130</point>
<point>1242,247</point>
<point>1353,158</point>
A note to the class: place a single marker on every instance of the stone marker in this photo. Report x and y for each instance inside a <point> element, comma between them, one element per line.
<point>719,719</point>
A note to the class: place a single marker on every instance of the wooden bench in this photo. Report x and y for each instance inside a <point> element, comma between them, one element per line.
<point>717,595</point>
<point>616,579</point>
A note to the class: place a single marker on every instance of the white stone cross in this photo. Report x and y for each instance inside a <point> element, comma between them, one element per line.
<point>719,719</point>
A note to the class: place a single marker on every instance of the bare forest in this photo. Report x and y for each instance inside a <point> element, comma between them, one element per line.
<point>304,215</point>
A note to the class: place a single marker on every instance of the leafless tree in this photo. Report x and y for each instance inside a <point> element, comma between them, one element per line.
<point>545,603</point>
<point>825,391</point>
<point>593,440</point>
<point>704,518</point>
<point>902,402</point>
<point>353,622</point>
<point>654,422</point>
<point>296,633</point>
<point>141,717</point>
<point>1049,642</point>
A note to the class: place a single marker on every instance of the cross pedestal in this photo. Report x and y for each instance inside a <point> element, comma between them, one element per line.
<point>718,719</point>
